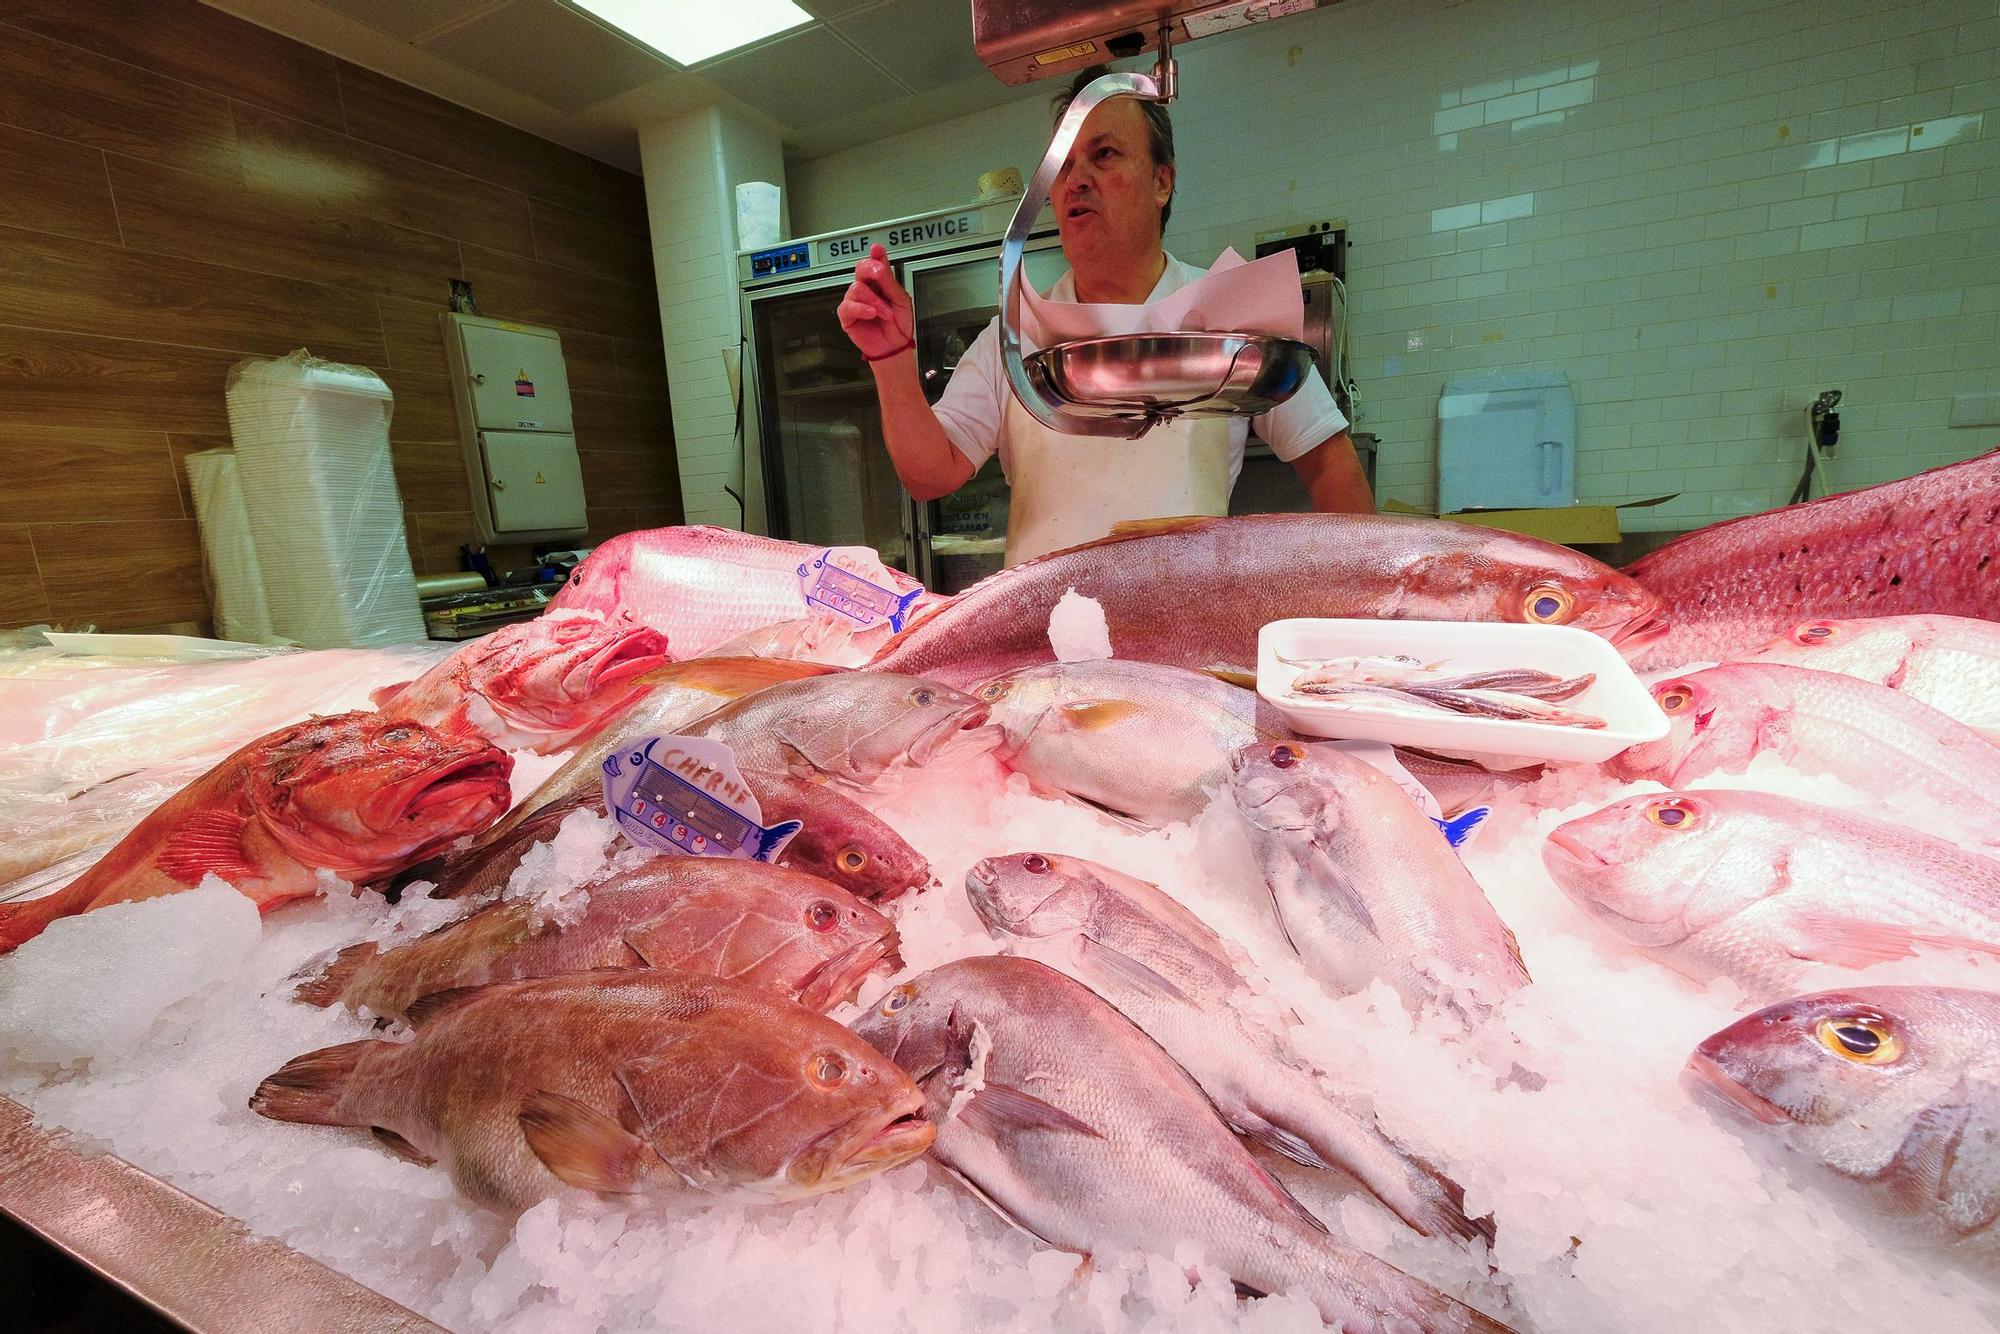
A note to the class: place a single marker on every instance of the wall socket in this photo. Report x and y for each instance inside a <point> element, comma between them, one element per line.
<point>1975,410</point>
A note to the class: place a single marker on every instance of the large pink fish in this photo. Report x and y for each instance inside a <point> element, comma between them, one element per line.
<point>1868,736</point>
<point>537,685</point>
<point>356,794</point>
<point>1194,592</point>
<point>702,587</point>
<point>1929,543</point>
<point>1951,663</point>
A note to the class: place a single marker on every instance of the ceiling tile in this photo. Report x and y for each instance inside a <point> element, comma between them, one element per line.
<point>827,9</point>
<point>407,19</point>
<point>803,79</point>
<point>551,53</point>
<point>925,43</point>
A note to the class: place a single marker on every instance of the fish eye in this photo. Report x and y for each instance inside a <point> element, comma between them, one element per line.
<point>1812,632</point>
<point>1673,698</point>
<point>1036,863</point>
<point>400,732</point>
<point>897,1000</point>
<point>1863,1039</point>
<point>1672,814</point>
<point>992,690</point>
<point>1284,757</point>
<point>821,916</point>
<point>851,859</point>
<point>922,697</point>
<point>828,1070</point>
<point>1548,605</point>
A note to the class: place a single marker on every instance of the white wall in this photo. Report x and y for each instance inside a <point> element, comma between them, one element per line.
<point>1703,211</point>
<point>693,164</point>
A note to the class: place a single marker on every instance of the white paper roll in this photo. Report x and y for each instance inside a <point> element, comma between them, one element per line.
<point>756,215</point>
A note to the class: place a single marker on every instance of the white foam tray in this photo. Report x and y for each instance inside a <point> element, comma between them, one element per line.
<point>1617,696</point>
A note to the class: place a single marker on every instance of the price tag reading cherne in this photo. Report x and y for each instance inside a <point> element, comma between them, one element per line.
<point>850,584</point>
<point>684,795</point>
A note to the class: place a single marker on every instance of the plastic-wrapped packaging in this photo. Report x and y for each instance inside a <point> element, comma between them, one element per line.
<point>229,555</point>
<point>312,453</point>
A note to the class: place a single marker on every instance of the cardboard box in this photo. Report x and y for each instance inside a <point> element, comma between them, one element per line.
<point>1571,525</point>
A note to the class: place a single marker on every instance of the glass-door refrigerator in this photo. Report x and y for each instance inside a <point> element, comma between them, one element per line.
<point>810,418</point>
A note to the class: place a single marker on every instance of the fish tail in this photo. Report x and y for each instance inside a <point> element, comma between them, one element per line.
<point>22,922</point>
<point>1356,1291</point>
<point>330,984</point>
<point>309,1087</point>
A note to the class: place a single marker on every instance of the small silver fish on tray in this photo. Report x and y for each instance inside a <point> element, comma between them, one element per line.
<point>1516,693</point>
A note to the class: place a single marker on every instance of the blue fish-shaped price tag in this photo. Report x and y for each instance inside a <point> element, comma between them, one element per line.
<point>684,795</point>
<point>850,583</point>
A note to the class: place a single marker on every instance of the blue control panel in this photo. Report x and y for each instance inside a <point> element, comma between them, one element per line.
<point>782,259</point>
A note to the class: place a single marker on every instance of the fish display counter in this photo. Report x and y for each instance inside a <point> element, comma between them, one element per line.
<point>713,952</point>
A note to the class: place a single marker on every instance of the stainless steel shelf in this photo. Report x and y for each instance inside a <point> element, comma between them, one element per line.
<point>187,1261</point>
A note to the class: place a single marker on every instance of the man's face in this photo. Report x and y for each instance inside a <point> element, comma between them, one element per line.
<point>1108,194</point>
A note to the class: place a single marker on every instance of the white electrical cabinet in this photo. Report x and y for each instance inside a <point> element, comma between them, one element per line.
<point>516,429</point>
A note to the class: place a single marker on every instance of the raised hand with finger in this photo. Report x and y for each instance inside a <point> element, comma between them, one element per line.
<point>875,310</point>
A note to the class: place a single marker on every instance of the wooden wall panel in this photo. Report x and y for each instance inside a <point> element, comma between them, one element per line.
<point>52,185</point>
<point>196,45</point>
<point>179,190</point>
<point>78,95</point>
<point>90,474</point>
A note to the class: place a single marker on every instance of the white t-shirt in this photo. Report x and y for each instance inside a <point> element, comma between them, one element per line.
<point>974,403</point>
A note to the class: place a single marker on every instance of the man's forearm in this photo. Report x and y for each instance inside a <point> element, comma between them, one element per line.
<point>1333,477</point>
<point>927,462</point>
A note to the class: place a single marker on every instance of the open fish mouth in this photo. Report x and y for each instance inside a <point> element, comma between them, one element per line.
<point>866,1144</point>
<point>1639,633</point>
<point>839,978</point>
<point>636,653</point>
<point>458,789</point>
<point>1576,850</point>
<point>1709,1077</point>
<point>966,731</point>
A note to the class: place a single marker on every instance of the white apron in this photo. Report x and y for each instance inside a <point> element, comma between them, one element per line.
<point>1071,489</point>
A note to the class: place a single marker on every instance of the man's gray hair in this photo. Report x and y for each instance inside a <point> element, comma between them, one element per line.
<point>1159,127</point>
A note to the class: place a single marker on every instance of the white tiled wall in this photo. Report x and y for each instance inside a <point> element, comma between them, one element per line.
<point>692,166</point>
<point>1704,212</point>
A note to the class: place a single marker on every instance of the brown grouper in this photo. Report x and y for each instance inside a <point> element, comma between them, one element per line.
<point>1929,543</point>
<point>356,794</point>
<point>1194,592</point>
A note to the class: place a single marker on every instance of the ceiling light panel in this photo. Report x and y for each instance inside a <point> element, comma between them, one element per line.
<point>691,31</point>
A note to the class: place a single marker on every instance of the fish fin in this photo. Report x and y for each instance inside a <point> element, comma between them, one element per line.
<point>1097,960</point>
<point>732,678</point>
<point>209,841</point>
<point>1109,813</point>
<point>22,922</point>
<point>1459,827</point>
<point>1002,1111</point>
<point>1234,676</point>
<point>307,1088</point>
<point>427,1008</point>
<point>1147,527</point>
<point>966,1183</point>
<point>1327,876</point>
<point>581,1145</point>
<point>1286,1200</point>
<point>1095,715</point>
<point>1845,943</point>
<point>331,982</point>
<point>1280,1141</point>
<point>401,1147</point>
<point>382,696</point>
